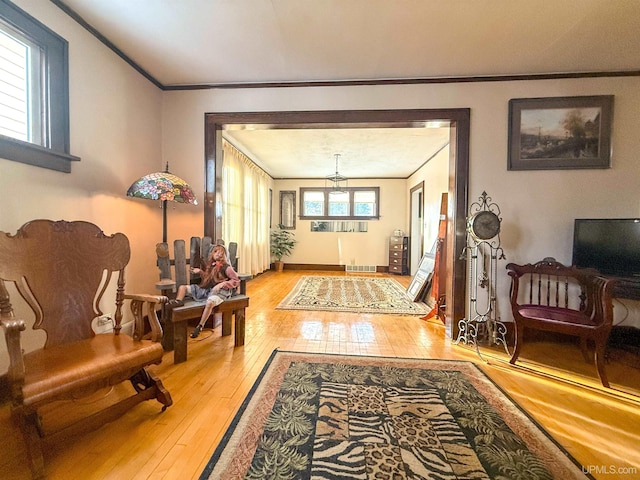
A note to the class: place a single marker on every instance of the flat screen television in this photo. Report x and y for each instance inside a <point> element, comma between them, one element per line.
<point>610,245</point>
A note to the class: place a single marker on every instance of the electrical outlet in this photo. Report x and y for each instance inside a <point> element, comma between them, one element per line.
<point>103,323</point>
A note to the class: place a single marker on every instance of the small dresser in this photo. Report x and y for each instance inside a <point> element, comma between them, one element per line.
<point>399,255</point>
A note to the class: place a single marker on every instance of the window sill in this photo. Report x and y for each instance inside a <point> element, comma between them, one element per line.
<point>31,154</point>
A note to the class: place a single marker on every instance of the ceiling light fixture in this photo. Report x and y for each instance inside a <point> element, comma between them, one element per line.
<point>336,183</point>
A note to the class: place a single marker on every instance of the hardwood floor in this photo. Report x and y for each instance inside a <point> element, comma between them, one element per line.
<point>600,429</point>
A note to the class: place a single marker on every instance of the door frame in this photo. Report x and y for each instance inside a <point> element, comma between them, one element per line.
<point>459,123</point>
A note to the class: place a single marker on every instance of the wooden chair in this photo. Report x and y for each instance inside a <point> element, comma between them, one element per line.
<point>62,270</point>
<point>176,320</point>
<point>549,296</point>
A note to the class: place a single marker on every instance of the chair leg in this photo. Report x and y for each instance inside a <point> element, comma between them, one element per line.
<point>162,394</point>
<point>240,325</point>
<point>30,432</point>
<point>226,323</point>
<point>144,380</point>
<point>519,334</point>
<point>584,348</point>
<point>180,341</point>
<point>599,359</point>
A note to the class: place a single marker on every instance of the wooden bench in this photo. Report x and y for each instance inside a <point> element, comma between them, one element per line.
<point>175,321</point>
<point>233,307</point>
<point>552,297</point>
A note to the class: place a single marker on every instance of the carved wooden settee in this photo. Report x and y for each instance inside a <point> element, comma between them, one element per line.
<point>552,297</point>
<point>62,270</point>
<point>176,319</point>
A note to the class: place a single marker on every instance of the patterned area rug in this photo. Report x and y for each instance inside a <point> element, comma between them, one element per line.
<point>314,416</point>
<point>351,294</point>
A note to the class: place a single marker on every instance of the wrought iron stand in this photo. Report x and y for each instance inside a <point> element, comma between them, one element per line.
<point>482,252</point>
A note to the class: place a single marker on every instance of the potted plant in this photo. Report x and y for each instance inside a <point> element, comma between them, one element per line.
<point>282,243</point>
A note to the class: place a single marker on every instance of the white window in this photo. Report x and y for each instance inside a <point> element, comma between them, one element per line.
<point>34,92</point>
<point>20,86</point>
<point>354,203</point>
<point>339,204</point>
<point>365,203</point>
<point>313,202</point>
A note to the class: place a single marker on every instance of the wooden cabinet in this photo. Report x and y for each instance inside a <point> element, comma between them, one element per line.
<point>399,255</point>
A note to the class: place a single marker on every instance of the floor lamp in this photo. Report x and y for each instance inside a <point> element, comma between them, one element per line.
<point>163,186</point>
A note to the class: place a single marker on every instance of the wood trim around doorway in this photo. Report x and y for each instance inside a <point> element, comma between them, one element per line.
<point>459,121</point>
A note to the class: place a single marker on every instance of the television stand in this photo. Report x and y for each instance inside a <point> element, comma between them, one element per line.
<point>627,287</point>
<point>626,337</point>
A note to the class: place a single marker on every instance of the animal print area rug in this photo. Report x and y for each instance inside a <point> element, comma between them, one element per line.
<point>318,416</point>
<point>351,294</point>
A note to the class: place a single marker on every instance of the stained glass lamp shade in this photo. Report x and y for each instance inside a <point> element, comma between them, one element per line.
<point>163,186</point>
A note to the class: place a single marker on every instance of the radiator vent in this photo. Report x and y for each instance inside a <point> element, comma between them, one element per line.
<point>361,268</point>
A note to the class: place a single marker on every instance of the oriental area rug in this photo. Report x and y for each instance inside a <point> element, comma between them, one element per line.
<point>351,294</point>
<point>322,416</point>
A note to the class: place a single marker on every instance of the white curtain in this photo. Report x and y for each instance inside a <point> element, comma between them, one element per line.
<point>245,210</point>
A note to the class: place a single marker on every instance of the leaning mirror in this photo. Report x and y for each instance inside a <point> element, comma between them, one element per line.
<point>288,209</point>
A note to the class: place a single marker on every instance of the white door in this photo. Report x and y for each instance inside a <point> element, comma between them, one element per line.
<point>417,227</point>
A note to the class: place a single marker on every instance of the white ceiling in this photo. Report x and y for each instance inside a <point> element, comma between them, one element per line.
<point>221,42</point>
<point>364,152</point>
<point>182,42</point>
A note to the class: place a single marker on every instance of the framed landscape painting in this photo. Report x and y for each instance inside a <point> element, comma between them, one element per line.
<point>560,133</point>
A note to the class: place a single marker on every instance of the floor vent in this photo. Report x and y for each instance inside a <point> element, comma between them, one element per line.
<point>361,268</point>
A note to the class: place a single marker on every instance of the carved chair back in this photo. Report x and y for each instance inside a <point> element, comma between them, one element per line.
<point>552,284</point>
<point>62,270</point>
<point>199,251</point>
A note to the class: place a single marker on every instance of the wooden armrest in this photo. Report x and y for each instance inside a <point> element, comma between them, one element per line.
<point>137,301</point>
<point>243,282</point>
<point>147,298</point>
<point>12,328</point>
<point>166,284</point>
<point>10,324</point>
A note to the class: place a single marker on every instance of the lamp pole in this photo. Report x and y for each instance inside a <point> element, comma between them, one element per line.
<point>164,221</point>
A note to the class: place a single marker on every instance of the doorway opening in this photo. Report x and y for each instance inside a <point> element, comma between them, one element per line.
<point>459,124</point>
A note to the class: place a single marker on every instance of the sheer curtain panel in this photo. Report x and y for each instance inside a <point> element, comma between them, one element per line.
<point>245,209</point>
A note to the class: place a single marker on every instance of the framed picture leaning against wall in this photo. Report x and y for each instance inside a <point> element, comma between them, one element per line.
<point>421,281</point>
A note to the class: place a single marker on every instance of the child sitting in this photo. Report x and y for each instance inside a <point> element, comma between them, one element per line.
<point>219,281</point>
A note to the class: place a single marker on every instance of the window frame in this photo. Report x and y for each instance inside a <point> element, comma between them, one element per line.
<point>351,190</point>
<point>54,153</point>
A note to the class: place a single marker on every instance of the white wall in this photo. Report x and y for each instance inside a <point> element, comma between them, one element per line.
<point>538,207</point>
<point>116,130</point>
<point>352,248</point>
<point>435,175</point>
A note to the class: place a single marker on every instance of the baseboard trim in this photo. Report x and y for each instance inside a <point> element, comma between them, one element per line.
<point>323,267</point>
